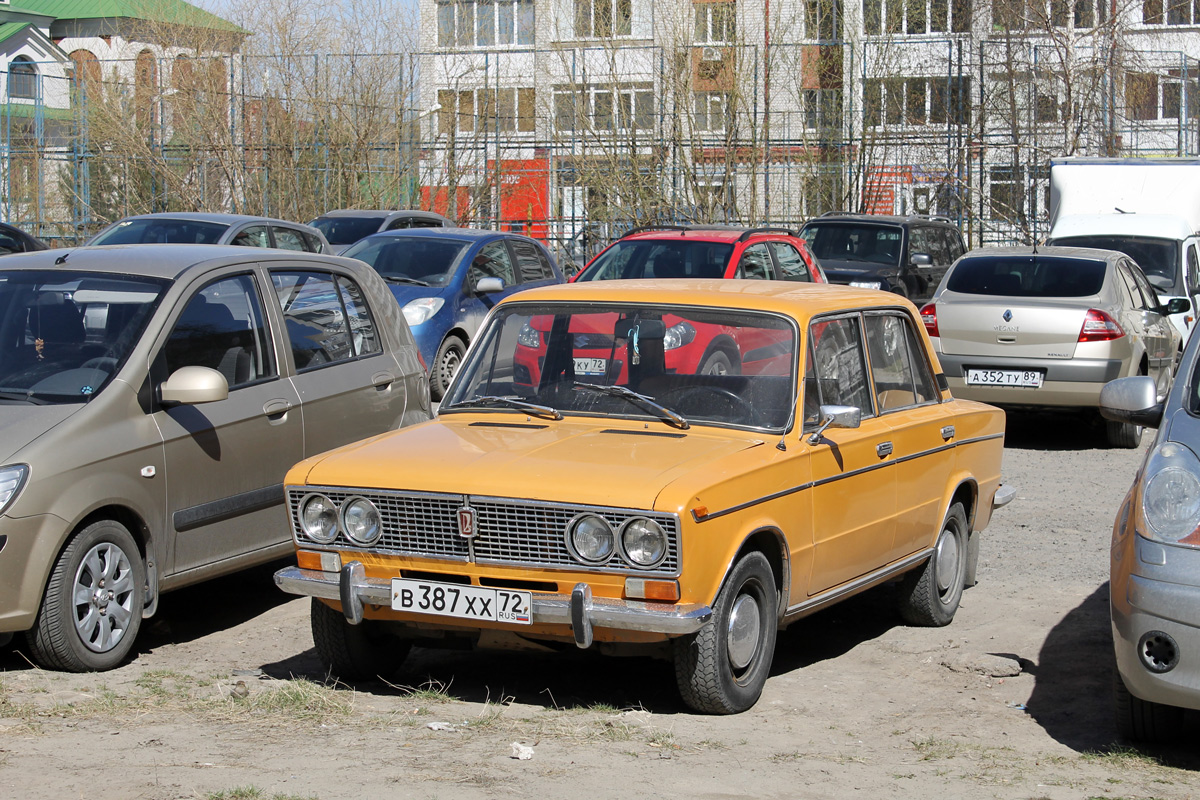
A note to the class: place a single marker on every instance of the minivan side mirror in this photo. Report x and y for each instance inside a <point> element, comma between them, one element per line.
<point>192,385</point>
<point>921,260</point>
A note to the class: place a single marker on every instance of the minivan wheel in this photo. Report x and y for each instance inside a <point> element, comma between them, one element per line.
<point>92,608</point>
<point>354,653</point>
<point>445,366</point>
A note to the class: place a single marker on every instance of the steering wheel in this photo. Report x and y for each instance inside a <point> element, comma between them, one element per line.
<point>677,399</point>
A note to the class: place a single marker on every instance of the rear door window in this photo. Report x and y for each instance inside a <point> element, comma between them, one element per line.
<point>315,308</point>
<point>531,264</point>
<point>289,239</point>
<point>755,263</point>
<point>901,376</point>
<point>252,236</point>
<point>790,262</point>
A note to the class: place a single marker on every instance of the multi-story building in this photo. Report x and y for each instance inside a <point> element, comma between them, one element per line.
<point>588,111</point>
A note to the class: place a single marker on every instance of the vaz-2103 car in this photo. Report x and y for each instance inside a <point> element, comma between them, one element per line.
<point>643,503</point>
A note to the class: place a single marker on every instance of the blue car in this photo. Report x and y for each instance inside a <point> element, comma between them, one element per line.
<point>436,274</point>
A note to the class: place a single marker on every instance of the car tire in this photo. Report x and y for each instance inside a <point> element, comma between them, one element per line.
<point>103,560</point>
<point>930,594</point>
<point>722,668</point>
<point>354,653</point>
<point>1142,720</point>
<point>1122,434</point>
<point>718,363</point>
<point>900,288</point>
<point>445,366</point>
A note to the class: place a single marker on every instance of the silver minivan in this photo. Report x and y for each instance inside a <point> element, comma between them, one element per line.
<point>151,399</point>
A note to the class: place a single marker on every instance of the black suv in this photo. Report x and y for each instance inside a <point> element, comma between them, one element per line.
<point>906,255</point>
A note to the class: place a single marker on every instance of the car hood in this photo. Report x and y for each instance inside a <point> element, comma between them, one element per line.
<point>407,292</point>
<point>21,424</point>
<point>502,455</point>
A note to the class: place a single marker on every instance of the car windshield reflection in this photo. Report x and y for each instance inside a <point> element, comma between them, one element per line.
<point>421,260</point>
<point>162,231</point>
<point>63,335</point>
<point>674,364</point>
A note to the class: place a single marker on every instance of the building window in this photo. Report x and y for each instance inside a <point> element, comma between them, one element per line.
<point>601,19</point>
<point>821,108</point>
<point>1141,96</point>
<point>712,111</point>
<point>85,79</point>
<point>914,17</point>
<point>716,23</point>
<point>1006,193</point>
<point>22,78</point>
<point>479,110</point>
<point>606,107</point>
<point>916,101</point>
<point>1172,12</point>
<point>485,23</point>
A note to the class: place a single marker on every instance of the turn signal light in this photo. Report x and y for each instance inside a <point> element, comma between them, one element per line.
<point>322,562</point>
<point>929,317</point>
<point>1099,327</point>
<point>642,589</point>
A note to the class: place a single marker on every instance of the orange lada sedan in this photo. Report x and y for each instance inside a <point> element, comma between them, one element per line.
<point>640,505</point>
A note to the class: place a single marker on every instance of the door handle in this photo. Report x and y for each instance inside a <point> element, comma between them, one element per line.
<point>883,449</point>
<point>382,379</point>
<point>275,408</point>
<point>948,432</point>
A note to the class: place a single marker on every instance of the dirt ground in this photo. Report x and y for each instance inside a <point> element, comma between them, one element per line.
<point>226,698</point>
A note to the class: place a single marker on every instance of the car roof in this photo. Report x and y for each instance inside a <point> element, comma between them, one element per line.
<point>161,260</point>
<point>382,213</point>
<point>705,233</point>
<point>794,298</point>
<point>460,234</point>
<point>1044,252</point>
<point>883,219</point>
<point>206,216</point>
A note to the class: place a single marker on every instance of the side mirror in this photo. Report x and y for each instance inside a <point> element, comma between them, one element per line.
<point>921,260</point>
<point>1177,305</point>
<point>836,417</point>
<point>489,285</point>
<point>1132,400</point>
<point>193,385</point>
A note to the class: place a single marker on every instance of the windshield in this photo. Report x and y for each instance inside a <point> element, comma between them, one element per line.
<point>1158,258</point>
<point>679,365</point>
<point>410,259</point>
<point>869,244</point>
<point>659,258</point>
<point>346,230</point>
<point>1027,276</point>
<point>162,231</point>
<point>64,334</point>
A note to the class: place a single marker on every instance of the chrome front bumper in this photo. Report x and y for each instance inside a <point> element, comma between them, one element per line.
<point>580,610</point>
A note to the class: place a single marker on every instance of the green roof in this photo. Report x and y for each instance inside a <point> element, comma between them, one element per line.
<point>10,29</point>
<point>172,12</point>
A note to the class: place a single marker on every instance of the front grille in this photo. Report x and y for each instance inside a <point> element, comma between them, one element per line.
<point>509,531</point>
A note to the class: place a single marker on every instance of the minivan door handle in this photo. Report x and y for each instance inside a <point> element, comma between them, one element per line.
<point>382,379</point>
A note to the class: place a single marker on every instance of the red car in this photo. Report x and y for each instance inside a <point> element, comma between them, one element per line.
<point>695,251</point>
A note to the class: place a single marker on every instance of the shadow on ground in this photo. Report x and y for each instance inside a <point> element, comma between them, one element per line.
<point>190,613</point>
<point>1072,696</point>
<point>566,677</point>
<point>1054,430</point>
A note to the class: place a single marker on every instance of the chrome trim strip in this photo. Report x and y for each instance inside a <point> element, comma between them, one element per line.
<point>602,612</point>
<point>823,481</point>
<point>866,582</point>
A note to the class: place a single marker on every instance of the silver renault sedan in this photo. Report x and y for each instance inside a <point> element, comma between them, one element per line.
<point>151,399</point>
<point>1048,327</point>
<point>1154,587</point>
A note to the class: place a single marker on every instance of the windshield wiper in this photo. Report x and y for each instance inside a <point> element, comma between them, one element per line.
<point>665,414</point>
<point>509,402</point>
<point>403,279</point>
<point>24,397</point>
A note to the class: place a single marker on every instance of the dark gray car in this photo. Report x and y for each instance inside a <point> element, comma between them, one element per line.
<point>152,397</point>
<point>348,225</point>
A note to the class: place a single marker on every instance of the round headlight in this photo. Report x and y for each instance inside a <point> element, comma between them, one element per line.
<point>590,538</point>
<point>1171,502</point>
<point>361,520</point>
<point>318,518</point>
<point>645,542</point>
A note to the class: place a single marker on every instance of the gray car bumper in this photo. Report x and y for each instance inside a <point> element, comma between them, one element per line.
<point>1073,370</point>
<point>580,609</point>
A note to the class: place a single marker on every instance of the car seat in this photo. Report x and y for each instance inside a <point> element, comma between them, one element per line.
<point>668,263</point>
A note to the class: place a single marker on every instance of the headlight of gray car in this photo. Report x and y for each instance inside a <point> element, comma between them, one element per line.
<point>12,480</point>
<point>590,538</point>
<point>319,518</point>
<point>1171,496</point>
<point>644,542</point>
<point>361,520</point>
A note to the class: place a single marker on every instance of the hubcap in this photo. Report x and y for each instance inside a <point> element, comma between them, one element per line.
<point>947,560</point>
<point>450,363</point>
<point>745,624</point>
<point>103,597</point>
